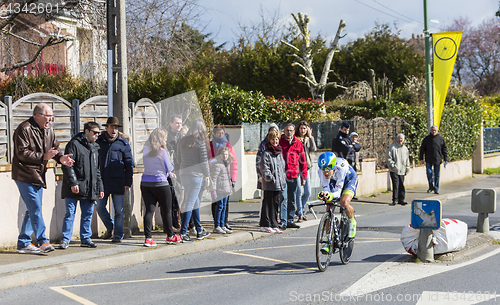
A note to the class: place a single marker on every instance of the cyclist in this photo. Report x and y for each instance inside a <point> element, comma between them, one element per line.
<point>339,180</point>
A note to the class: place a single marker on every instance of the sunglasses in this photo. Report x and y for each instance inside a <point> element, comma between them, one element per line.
<point>327,168</point>
<point>96,132</point>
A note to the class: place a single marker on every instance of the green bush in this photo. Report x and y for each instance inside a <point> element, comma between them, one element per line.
<point>233,106</point>
<point>64,85</point>
<point>459,127</point>
<point>166,83</point>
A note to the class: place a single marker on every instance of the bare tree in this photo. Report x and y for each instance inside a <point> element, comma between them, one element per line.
<point>269,30</point>
<point>305,55</point>
<point>30,23</point>
<point>161,32</point>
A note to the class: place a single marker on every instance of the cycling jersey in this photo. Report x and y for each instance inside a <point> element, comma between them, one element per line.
<point>343,181</point>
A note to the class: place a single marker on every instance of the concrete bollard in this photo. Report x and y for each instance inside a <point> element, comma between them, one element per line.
<point>483,201</point>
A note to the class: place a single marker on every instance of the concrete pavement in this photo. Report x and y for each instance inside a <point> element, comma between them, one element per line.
<point>25,269</point>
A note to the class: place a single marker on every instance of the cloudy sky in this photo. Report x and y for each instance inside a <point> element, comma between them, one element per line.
<point>223,16</point>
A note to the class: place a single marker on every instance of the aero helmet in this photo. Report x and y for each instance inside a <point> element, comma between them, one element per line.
<point>327,160</point>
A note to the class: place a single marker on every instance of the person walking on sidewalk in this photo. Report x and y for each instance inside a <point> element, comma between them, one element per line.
<point>81,182</point>
<point>35,144</point>
<point>434,149</point>
<point>303,132</point>
<point>272,167</point>
<point>220,171</point>
<point>116,165</point>
<point>398,161</point>
<point>155,187</point>
<point>193,163</point>
<point>296,173</point>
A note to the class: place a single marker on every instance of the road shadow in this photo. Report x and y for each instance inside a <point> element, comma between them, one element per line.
<point>381,258</point>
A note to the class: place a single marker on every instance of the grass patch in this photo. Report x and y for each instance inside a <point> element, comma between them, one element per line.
<point>491,171</point>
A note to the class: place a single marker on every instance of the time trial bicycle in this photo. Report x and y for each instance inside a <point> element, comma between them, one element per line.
<point>332,235</point>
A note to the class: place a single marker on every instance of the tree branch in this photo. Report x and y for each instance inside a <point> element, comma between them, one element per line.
<point>53,40</point>
<point>291,46</point>
<point>333,84</point>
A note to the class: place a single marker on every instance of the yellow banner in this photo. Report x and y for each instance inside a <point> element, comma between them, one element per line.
<point>444,48</point>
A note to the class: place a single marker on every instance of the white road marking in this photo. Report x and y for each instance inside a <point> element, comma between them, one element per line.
<point>394,272</point>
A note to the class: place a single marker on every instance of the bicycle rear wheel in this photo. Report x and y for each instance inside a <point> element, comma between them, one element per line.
<point>323,238</point>
<point>348,243</point>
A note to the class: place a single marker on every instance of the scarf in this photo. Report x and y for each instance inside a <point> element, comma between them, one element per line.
<point>109,138</point>
<point>276,150</point>
<point>218,143</point>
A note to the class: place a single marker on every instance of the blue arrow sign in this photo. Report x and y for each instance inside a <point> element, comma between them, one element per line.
<point>426,214</point>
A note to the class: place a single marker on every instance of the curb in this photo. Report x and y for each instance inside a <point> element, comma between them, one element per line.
<point>38,275</point>
<point>41,274</point>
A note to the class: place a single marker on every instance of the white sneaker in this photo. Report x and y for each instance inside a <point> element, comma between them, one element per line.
<point>219,230</point>
<point>227,230</point>
<point>193,231</point>
<point>277,231</point>
<point>267,230</point>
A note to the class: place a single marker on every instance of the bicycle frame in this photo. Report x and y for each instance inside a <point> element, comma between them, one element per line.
<point>337,243</point>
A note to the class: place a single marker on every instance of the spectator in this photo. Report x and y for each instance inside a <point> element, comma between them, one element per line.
<point>193,162</point>
<point>303,132</point>
<point>35,144</point>
<point>174,133</point>
<point>262,147</point>
<point>272,167</point>
<point>342,144</point>
<point>296,172</point>
<point>174,130</point>
<point>221,175</point>
<point>398,161</point>
<point>357,147</point>
<point>155,187</point>
<point>219,139</point>
<point>434,149</point>
<point>81,182</point>
<point>116,165</point>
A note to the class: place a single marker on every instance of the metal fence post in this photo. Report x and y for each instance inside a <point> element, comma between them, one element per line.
<point>76,116</point>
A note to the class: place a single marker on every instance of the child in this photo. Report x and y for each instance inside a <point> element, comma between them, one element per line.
<point>272,168</point>
<point>221,175</point>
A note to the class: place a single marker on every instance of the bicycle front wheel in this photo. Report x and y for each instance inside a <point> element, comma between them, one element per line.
<point>324,237</point>
<point>347,243</point>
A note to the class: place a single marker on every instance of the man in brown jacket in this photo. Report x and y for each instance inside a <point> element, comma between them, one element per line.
<point>35,144</point>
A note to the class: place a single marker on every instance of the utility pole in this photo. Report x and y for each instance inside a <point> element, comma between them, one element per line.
<point>428,75</point>
<point>117,50</point>
<point>117,78</point>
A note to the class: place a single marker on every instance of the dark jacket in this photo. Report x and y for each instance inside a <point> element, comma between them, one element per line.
<point>434,149</point>
<point>172,139</point>
<point>262,148</point>
<point>84,172</point>
<point>30,144</point>
<point>341,147</point>
<point>295,158</point>
<point>192,161</point>
<point>272,167</point>
<point>115,163</point>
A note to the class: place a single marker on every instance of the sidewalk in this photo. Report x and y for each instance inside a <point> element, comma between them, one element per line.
<point>25,269</point>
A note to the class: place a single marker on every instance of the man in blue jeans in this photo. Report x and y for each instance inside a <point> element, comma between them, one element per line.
<point>116,167</point>
<point>83,183</point>
<point>296,174</point>
<point>35,144</point>
<point>434,150</point>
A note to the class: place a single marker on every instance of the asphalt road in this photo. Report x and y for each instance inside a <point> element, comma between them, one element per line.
<point>281,269</point>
